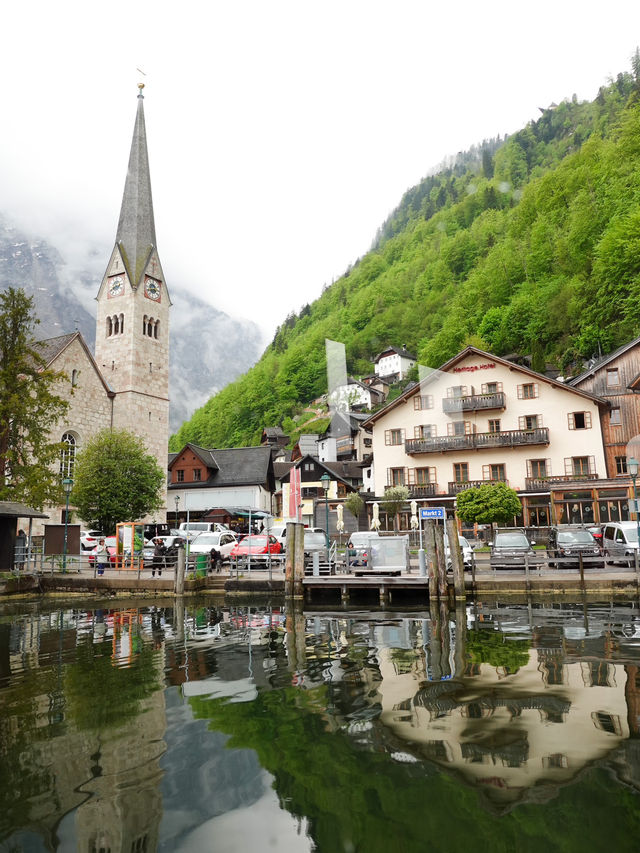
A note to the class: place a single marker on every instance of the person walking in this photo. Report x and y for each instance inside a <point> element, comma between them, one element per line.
<point>102,556</point>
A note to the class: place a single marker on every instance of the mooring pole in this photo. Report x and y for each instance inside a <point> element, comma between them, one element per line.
<point>457,562</point>
<point>432,559</point>
<point>441,563</point>
<point>294,563</point>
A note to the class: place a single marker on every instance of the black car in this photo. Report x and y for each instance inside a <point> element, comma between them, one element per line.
<point>567,543</point>
<point>509,550</point>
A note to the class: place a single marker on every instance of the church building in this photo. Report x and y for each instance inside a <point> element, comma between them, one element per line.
<point>126,384</point>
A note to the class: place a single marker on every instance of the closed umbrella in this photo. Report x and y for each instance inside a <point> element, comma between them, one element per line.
<point>340,522</point>
<point>375,521</point>
<point>414,515</point>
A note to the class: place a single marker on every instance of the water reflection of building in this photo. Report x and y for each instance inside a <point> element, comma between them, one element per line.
<point>507,733</point>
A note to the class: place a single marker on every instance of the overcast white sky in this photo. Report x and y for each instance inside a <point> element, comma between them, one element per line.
<point>281,134</point>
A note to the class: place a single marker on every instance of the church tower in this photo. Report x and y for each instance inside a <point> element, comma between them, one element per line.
<point>132,323</point>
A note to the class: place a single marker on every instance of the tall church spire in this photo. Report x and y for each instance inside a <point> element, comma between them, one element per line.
<point>136,235</point>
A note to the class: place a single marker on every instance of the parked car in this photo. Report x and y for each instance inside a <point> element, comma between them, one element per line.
<point>509,549</point>
<point>89,539</point>
<point>191,529</point>
<point>467,552</point>
<point>221,543</point>
<point>315,541</point>
<point>567,543</point>
<point>255,545</point>
<point>620,541</point>
<point>358,547</point>
<point>167,541</point>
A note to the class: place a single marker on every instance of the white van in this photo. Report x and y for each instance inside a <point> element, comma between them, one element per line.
<point>189,529</point>
<point>620,541</point>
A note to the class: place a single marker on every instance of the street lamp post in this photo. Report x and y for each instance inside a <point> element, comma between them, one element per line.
<point>67,485</point>
<point>632,468</point>
<point>326,482</point>
<point>177,500</point>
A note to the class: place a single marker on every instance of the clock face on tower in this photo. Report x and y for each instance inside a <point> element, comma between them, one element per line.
<point>115,285</point>
<point>152,288</point>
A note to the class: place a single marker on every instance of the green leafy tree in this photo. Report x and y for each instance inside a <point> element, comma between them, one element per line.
<point>29,408</point>
<point>493,502</point>
<point>116,479</point>
<point>395,497</point>
<point>354,504</point>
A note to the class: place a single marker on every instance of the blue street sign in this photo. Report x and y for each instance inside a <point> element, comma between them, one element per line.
<point>432,512</point>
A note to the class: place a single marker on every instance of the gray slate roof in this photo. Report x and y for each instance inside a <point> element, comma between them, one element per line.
<point>50,348</point>
<point>14,509</point>
<point>231,466</point>
<point>601,363</point>
<point>136,233</point>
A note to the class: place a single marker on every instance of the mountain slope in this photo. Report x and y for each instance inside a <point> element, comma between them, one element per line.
<point>208,349</point>
<point>529,246</point>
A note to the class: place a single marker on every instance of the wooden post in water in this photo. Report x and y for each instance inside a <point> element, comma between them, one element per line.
<point>435,647</point>
<point>457,563</point>
<point>445,639</point>
<point>460,648</point>
<point>181,561</point>
<point>432,559</point>
<point>441,563</point>
<point>294,561</point>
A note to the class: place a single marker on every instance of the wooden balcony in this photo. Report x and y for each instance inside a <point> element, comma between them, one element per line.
<point>454,488</point>
<point>423,490</point>
<point>473,403</point>
<point>534,484</point>
<point>477,441</point>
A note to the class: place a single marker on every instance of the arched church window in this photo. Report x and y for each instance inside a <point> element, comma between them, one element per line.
<point>116,325</point>
<point>109,327</point>
<point>145,320</point>
<point>68,455</point>
<point>74,378</point>
<point>150,327</point>
<point>155,329</point>
<point>122,324</point>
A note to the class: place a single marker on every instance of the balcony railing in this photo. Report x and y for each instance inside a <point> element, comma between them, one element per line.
<point>454,488</point>
<point>477,441</point>
<point>535,483</point>
<point>423,490</point>
<point>473,403</point>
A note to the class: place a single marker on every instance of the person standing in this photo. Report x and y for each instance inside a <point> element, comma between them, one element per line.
<point>159,552</point>
<point>102,556</point>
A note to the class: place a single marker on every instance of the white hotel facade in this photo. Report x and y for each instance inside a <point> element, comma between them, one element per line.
<point>481,418</point>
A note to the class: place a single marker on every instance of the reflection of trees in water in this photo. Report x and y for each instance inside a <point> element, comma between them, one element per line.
<point>497,649</point>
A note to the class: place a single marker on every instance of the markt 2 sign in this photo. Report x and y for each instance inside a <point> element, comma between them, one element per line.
<point>435,512</point>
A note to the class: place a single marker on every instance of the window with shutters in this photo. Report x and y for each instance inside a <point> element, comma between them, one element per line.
<point>396,476</point>
<point>528,391</point>
<point>394,436</point>
<point>461,472</point>
<point>530,422</point>
<point>579,420</point>
<point>492,387</point>
<point>494,472</point>
<point>457,391</point>
<point>421,476</point>
<point>424,431</point>
<point>579,466</point>
<point>538,468</point>
<point>459,428</point>
<point>424,401</point>
<point>494,425</point>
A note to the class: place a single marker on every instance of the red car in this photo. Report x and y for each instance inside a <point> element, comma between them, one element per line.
<point>256,544</point>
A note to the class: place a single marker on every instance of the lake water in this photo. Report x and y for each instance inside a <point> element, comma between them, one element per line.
<point>201,728</point>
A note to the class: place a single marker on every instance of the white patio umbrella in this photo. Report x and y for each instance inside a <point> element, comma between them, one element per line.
<point>375,520</point>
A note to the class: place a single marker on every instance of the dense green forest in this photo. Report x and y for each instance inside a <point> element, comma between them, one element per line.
<point>528,245</point>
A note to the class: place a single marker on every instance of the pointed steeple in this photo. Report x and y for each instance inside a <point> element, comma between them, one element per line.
<point>136,234</point>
